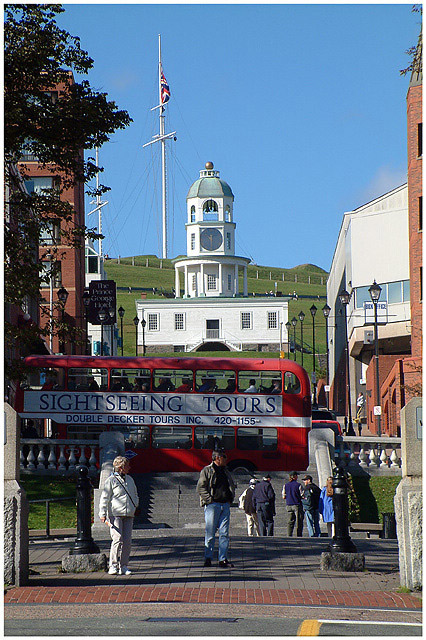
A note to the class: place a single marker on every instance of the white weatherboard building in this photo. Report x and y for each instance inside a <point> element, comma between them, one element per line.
<point>209,311</point>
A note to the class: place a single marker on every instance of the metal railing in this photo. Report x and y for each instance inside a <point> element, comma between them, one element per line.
<point>48,501</point>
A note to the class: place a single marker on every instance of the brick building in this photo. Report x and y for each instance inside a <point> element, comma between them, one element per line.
<point>69,260</point>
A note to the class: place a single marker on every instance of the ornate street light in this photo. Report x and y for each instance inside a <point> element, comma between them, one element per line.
<point>136,322</point>
<point>288,327</point>
<point>301,319</point>
<point>62,297</point>
<point>375,290</point>
<point>313,311</point>
<point>294,323</point>
<point>143,323</point>
<point>121,313</point>
<point>344,298</point>
<point>326,312</point>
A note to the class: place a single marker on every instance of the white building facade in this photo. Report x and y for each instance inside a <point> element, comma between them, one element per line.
<point>372,245</point>
<point>210,312</point>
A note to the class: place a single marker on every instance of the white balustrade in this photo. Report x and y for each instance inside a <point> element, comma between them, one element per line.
<point>40,455</point>
<point>369,452</point>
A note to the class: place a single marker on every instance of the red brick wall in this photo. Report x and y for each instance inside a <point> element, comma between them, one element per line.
<point>386,363</point>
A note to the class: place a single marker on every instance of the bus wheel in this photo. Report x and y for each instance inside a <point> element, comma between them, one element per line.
<point>241,467</point>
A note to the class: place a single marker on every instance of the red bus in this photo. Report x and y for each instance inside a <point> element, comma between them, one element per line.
<point>174,411</point>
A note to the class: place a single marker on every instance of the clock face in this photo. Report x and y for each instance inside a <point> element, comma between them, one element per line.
<point>211,239</point>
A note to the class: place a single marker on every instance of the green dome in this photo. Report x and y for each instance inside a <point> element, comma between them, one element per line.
<point>210,187</point>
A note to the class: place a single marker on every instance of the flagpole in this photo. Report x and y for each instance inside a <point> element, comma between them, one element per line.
<point>163,154</point>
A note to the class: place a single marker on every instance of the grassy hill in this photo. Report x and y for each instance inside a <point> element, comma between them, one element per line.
<point>150,272</point>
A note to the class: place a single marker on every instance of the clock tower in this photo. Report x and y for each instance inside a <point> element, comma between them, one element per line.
<point>211,267</point>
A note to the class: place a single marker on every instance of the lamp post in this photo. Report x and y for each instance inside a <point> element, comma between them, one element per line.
<point>313,311</point>
<point>136,322</point>
<point>281,340</point>
<point>143,323</point>
<point>63,297</point>
<point>121,313</point>
<point>326,312</point>
<point>344,297</point>
<point>86,302</point>
<point>102,315</point>
<point>301,319</point>
<point>294,323</point>
<point>288,327</point>
<point>375,290</point>
<point>111,312</point>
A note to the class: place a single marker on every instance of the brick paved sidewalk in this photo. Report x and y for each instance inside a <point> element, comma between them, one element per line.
<point>167,566</point>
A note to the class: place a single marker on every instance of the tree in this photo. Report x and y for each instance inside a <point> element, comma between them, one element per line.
<point>38,56</point>
<point>415,52</point>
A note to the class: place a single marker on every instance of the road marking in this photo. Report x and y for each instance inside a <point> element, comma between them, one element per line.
<point>396,624</point>
<point>309,628</point>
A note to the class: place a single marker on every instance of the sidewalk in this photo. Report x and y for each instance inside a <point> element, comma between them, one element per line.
<point>167,566</point>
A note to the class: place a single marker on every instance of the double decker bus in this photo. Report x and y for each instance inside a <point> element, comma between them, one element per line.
<point>174,411</point>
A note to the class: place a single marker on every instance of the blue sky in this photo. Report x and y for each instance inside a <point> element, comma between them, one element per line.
<point>300,107</point>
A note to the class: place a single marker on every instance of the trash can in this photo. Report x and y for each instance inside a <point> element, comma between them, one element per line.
<point>389,526</point>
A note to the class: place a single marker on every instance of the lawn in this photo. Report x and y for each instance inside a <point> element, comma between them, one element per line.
<point>375,496</point>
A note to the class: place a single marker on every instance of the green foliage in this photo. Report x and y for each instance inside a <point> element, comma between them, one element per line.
<point>375,496</point>
<point>354,507</point>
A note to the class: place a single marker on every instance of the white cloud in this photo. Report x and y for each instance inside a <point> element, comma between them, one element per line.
<point>385,179</point>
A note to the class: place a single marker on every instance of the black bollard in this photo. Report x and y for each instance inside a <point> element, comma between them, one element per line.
<point>84,542</point>
<point>341,540</point>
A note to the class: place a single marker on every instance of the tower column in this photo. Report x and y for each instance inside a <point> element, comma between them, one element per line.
<point>202,285</point>
<point>236,286</point>
<point>245,281</point>
<point>220,278</point>
<point>185,270</point>
<point>177,283</point>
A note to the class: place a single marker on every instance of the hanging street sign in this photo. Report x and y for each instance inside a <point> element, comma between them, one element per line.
<point>382,313</point>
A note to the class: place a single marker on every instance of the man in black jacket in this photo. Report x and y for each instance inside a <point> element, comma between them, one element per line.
<point>310,501</point>
<point>264,503</point>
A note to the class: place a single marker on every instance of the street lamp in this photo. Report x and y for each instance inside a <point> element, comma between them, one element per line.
<point>136,322</point>
<point>143,323</point>
<point>86,302</point>
<point>301,318</point>
<point>288,327</point>
<point>63,297</point>
<point>326,311</point>
<point>102,315</point>
<point>344,298</point>
<point>375,290</point>
<point>313,311</point>
<point>121,313</point>
<point>294,323</point>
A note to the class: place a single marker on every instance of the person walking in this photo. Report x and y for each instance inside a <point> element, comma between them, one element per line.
<point>245,502</point>
<point>216,489</point>
<point>118,502</point>
<point>310,501</point>
<point>326,505</point>
<point>264,503</point>
<point>292,494</point>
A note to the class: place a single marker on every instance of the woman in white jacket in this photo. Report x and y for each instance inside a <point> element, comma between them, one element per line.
<point>117,506</point>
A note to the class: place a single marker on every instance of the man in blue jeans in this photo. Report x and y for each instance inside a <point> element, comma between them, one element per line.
<point>310,501</point>
<point>216,489</point>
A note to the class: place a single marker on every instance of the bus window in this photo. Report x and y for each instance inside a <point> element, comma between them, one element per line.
<point>87,379</point>
<point>137,438</point>
<point>49,379</point>
<point>291,383</point>
<point>220,381</point>
<point>138,380</point>
<point>256,439</point>
<point>259,381</point>
<point>172,437</point>
<point>173,380</point>
<point>85,431</point>
<point>214,438</point>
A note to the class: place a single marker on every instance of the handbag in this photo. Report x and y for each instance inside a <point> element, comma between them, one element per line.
<point>137,509</point>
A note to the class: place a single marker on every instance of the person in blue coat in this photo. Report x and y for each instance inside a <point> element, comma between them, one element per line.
<point>326,506</point>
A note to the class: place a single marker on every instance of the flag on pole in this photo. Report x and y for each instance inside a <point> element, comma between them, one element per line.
<point>165,91</point>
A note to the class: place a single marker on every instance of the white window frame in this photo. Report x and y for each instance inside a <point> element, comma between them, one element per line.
<point>180,321</point>
<point>229,282</point>
<point>153,323</point>
<point>246,316</point>
<point>192,241</point>
<point>228,240</point>
<point>273,316</point>
<point>211,282</point>
<point>194,281</point>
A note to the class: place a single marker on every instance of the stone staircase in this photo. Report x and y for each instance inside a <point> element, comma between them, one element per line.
<point>170,500</point>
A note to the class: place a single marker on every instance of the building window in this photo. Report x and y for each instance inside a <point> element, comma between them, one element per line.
<point>406,290</point>
<point>227,213</point>
<point>192,213</point>
<point>229,282</point>
<point>153,322</point>
<point>421,213</point>
<point>42,185</point>
<point>51,271</point>
<point>228,241</point>
<point>194,281</point>
<point>245,320</point>
<point>179,321</point>
<point>272,319</point>
<point>210,210</point>
<point>51,232</point>
<point>211,282</point>
<point>420,139</point>
<point>394,292</point>
<point>192,241</point>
